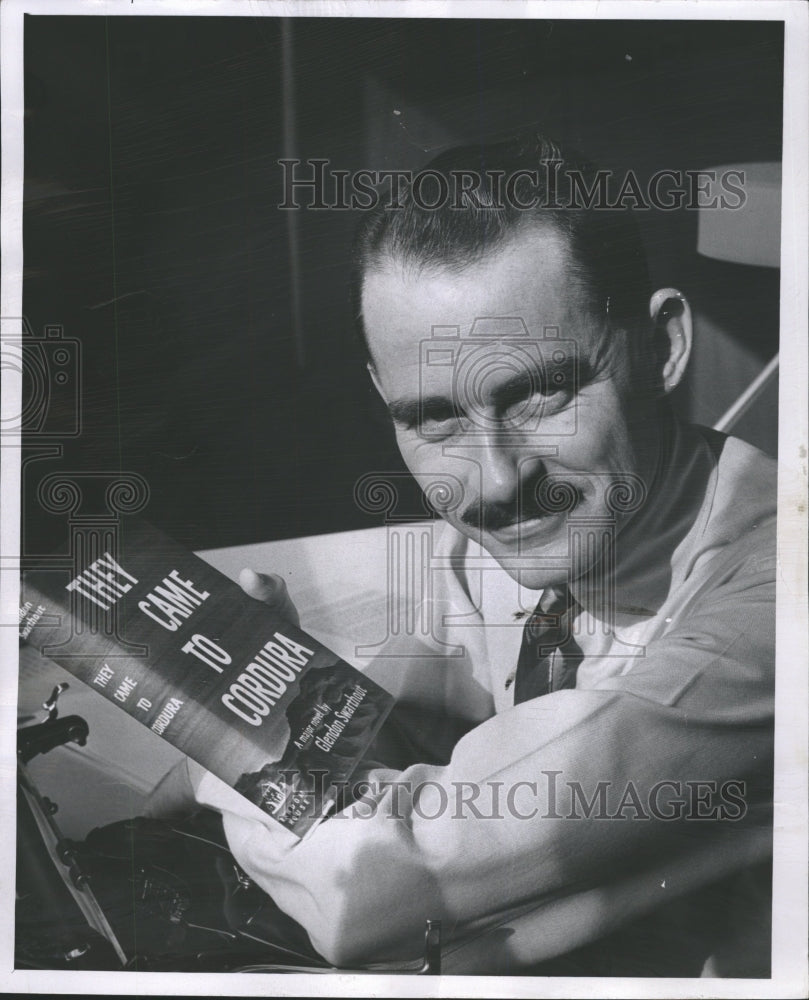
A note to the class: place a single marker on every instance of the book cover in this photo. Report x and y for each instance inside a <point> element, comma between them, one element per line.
<point>181,648</point>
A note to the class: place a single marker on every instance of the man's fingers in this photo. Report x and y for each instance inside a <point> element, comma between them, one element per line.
<point>271,589</point>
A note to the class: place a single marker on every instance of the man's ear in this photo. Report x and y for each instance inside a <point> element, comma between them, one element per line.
<point>671,315</point>
<point>375,380</point>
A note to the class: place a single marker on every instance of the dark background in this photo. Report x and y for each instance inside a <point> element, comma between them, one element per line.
<point>218,358</point>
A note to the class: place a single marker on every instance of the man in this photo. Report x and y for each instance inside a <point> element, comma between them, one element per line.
<point>579,789</point>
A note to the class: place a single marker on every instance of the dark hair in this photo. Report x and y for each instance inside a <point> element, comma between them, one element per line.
<point>604,245</point>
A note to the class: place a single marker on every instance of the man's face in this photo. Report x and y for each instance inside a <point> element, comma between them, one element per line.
<point>527,418</point>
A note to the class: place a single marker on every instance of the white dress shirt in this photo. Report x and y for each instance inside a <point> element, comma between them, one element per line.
<point>676,687</point>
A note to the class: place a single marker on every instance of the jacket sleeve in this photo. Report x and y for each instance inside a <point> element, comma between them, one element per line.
<point>557,819</point>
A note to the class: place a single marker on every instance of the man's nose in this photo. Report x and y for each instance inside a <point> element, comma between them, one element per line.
<point>500,467</point>
<point>508,466</point>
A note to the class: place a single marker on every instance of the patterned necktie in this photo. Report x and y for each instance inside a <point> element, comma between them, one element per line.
<point>548,652</point>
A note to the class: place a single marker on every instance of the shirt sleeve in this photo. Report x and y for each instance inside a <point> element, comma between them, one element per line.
<point>558,819</point>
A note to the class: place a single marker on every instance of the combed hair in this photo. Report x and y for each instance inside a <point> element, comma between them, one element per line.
<point>604,246</point>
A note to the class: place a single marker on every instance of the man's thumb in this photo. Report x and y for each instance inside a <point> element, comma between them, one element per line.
<point>271,589</point>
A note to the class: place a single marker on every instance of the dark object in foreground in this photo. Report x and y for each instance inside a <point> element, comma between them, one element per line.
<point>174,897</point>
<point>148,895</point>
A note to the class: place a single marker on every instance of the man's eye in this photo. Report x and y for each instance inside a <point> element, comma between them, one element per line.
<point>440,414</point>
<point>438,424</point>
<point>547,398</point>
<point>435,418</point>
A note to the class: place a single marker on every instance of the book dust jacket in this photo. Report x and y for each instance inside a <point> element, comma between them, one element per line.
<point>181,648</point>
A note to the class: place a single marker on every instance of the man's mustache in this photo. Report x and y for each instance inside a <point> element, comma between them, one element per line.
<point>540,499</point>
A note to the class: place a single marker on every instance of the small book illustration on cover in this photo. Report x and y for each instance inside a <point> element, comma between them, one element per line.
<point>180,647</point>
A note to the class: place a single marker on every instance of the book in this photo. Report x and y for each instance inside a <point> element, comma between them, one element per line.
<point>177,645</point>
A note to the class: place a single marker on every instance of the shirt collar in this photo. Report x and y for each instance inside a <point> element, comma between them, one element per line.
<point>649,546</point>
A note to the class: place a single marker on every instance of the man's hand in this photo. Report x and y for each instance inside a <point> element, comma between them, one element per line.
<point>272,590</point>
